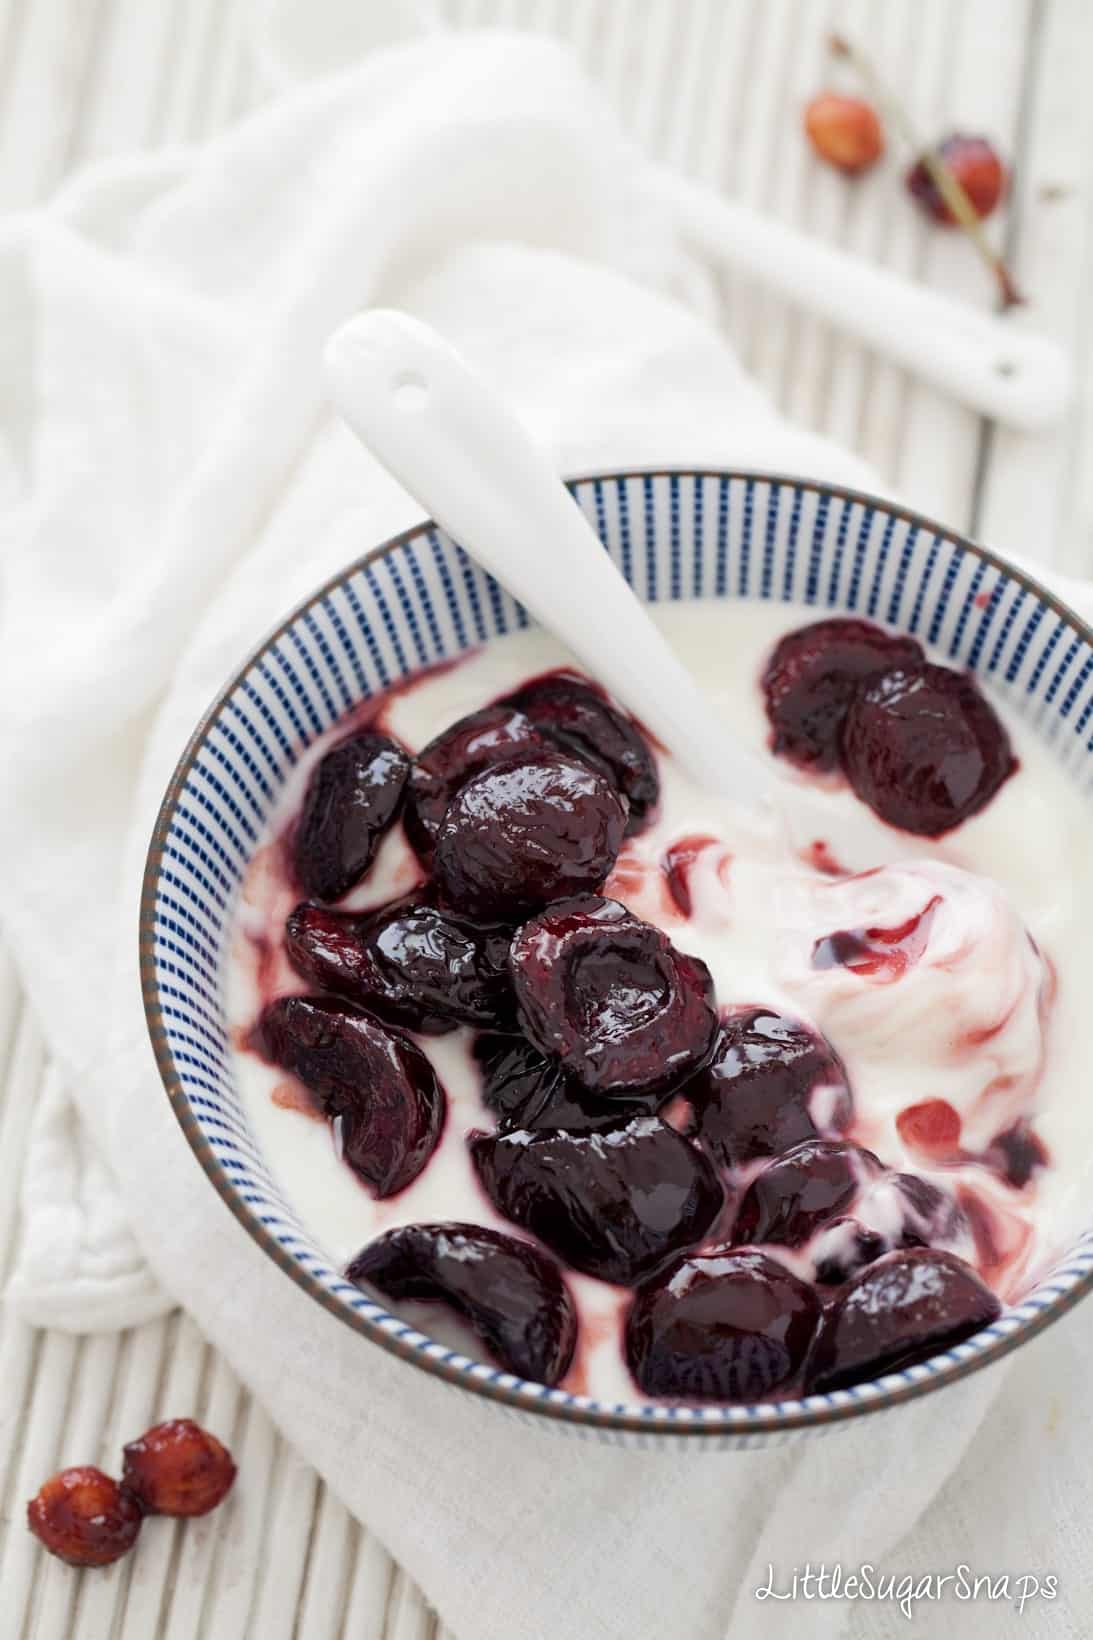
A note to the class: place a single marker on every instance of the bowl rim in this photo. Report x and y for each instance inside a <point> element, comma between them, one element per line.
<point>712,1421</point>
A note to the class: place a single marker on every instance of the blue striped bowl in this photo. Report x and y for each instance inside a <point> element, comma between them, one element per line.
<point>418,599</point>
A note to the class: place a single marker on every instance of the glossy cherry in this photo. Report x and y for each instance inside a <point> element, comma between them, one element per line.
<point>977,166</point>
<point>84,1517</point>
<point>576,715</point>
<point>512,1295</point>
<point>377,1085</point>
<point>902,1309</point>
<point>924,748</point>
<point>413,964</point>
<point>725,1325</point>
<point>353,797</point>
<point>526,1090</point>
<point>616,1204</point>
<point>755,1096</point>
<point>496,734</point>
<point>813,675</point>
<point>610,998</point>
<point>521,834</point>
<point>178,1468</point>
<point>802,1190</point>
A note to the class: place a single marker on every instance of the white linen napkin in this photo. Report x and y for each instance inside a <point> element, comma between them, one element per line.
<point>175,485</point>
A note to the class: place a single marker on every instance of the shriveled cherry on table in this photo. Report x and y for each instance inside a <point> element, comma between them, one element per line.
<point>178,1468</point>
<point>84,1517</point>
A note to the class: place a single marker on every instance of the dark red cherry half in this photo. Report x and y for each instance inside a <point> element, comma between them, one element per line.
<point>812,677</point>
<point>755,1096</point>
<point>924,748</point>
<point>353,797</point>
<point>377,1085</point>
<point>496,734</point>
<point>907,1306</point>
<point>610,999</point>
<point>725,1325</point>
<point>576,715</point>
<point>521,834</point>
<point>512,1295</point>
<point>526,1090</point>
<point>802,1190</point>
<point>412,965</point>
<point>615,1204</point>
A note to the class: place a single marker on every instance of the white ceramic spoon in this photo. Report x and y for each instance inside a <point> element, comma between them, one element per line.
<point>456,447</point>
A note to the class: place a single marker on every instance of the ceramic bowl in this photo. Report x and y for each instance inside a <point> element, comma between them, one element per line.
<point>419,599</point>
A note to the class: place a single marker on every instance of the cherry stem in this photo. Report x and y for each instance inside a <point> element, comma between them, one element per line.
<point>944,178</point>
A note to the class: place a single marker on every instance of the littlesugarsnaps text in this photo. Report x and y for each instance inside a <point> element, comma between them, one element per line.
<point>906,1590</point>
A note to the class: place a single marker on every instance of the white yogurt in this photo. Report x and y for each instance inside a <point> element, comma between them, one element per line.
<point>981,1017</point>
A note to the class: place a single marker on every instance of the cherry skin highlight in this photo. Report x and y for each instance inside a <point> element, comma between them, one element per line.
<point>509,1291</point>
<point>925,749</point>
<point>178,1468</point>
<point>527,1091</point>
<point>413,965</point>
<point>521,834</point>
<point>577,717</point>
<point>610,999</point>
<point>902,1309</point>
<point>754,1097</point>
<point>813,675</point>
<point>725,1325</point>
<point>377,1085</point>
<point>615,1204</point>
<point>353,797</point>
<point>84,1517</point>
<point>496,734</point>
<point>802,1190</point>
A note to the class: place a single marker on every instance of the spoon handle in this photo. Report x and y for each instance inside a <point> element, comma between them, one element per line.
<point>455,446</point>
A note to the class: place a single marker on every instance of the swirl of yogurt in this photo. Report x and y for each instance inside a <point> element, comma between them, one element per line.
<point>928,976</point>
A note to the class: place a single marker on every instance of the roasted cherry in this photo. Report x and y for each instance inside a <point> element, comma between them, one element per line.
<point>354,795</point>
<point>725,1325</point>
<point>844,131</point>
<point>812,677</point>
<point>610,998</point>
<point>801,1191</point>
<point>924,748</point>
<point>755,1098</point>
<point>496,734</point>
<point>512,1295</point>
<point>526,1090</point>
<point>378,1086</point>
<point>902,1309</point>
<point>976,166</point>
<point>413,964</point>
<point>84,1517</point>
<point>178,1468</point>
<point>615,1204</point>
<point>521,834</point>
<point>575,715</point>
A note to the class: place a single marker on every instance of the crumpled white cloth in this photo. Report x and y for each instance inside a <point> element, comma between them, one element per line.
<point>175,484</point>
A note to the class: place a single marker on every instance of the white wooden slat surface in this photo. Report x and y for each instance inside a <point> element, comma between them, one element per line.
<point>714,87</point>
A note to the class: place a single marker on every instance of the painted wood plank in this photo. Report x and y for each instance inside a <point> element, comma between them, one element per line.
<point>369,1590</point>
<point>1038,491</point>
<point>101,1600</point>
<point>979,90</point>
